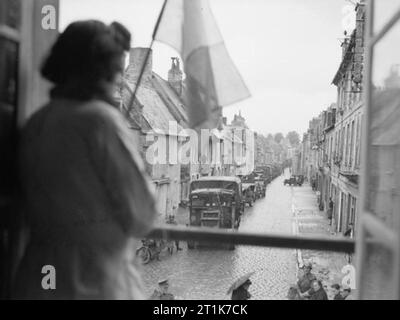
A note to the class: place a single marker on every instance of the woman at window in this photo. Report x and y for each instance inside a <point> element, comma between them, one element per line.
<point>84,189</point>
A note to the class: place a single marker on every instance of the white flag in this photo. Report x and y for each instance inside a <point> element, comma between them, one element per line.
<point>212,80</point>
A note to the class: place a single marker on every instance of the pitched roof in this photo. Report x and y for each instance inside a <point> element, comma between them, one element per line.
<point>154,109</point>
<point>174,103</point>
<point>347,58</point>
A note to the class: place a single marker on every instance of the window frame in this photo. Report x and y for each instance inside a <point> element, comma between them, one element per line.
<point>7,200</point>
<point>368,223</point>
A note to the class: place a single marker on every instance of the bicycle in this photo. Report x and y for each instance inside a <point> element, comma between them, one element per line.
<point>151,249</point>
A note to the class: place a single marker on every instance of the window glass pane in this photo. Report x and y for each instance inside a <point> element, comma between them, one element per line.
<point>383,197</point>
<point>378,272</point>
<point>384,10</point>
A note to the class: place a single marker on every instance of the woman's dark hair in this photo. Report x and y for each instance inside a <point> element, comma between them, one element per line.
<point>87,53</point>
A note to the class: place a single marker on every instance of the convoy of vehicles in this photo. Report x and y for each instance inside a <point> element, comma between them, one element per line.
<point>219,202</point>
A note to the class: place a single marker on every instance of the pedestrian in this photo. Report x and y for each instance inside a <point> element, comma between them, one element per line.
<point>171,220</point>
<point>162,292</point>
<point>242,292</point>
<point>293,293</point>
<point>84,190</point>
<point>319,200</point>
<point>330,211</point>
<point>317,291</point>
<point>346,294</point>
<point>306,277</point>
<point>336,292</point>
<point>349,231</point>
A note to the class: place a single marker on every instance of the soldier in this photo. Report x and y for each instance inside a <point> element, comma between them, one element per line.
<point>346,294</point>
<point>336,292</point>
<point>162,292</point>
<point>306,279</point>
<point>317,291</point>
<point>330,211</point>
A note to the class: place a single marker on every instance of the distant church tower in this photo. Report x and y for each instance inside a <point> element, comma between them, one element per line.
<point>239,121</point>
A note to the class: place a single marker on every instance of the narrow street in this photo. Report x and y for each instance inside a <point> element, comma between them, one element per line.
<point>207,274</point>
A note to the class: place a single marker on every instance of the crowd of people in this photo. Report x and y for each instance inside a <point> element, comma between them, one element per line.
<point>308,287</point>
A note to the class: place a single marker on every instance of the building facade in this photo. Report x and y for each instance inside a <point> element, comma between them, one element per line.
<point>331,159</point>
<point>158,116</point>
<point>345,152</point>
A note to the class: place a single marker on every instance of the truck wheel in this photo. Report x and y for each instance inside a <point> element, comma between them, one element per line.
<point>190,245</point>
<point>231,246</point>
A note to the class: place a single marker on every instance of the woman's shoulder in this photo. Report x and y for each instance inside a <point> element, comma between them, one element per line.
<point>99,114</point>
<point>98,109</point>
<point>87,110</point>
<point>35,121</point>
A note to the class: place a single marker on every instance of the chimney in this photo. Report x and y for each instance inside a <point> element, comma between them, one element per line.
<point>345,44</point>
<point>137,57</point>
<point>175,75</point>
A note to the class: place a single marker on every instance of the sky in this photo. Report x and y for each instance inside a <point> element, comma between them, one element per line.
<point>287,51</point>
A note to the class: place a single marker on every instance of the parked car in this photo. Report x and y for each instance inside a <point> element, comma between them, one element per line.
<point>294,180</point>
<point>289,181</point>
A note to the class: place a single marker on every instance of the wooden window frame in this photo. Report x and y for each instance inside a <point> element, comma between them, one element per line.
<point>368,223</point>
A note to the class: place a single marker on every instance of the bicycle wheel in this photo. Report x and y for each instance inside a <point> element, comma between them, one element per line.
<point>144,255</point>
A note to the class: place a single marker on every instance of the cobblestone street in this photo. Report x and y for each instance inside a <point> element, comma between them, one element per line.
<point>207,274</point>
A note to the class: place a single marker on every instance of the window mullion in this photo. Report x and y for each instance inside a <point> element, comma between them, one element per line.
<point>379,231</point>
<point>382,32</point>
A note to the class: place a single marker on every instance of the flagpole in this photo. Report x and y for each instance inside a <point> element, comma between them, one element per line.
<point>131,101</point>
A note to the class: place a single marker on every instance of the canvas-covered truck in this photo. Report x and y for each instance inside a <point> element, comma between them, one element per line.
<point>215,202</point>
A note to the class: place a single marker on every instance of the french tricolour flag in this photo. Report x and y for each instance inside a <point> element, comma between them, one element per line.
<point>212,80</point>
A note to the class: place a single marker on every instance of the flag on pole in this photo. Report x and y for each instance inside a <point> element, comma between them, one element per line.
<point>212,80</point>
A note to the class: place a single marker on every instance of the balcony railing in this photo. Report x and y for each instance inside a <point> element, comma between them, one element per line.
<point>253,239</point>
